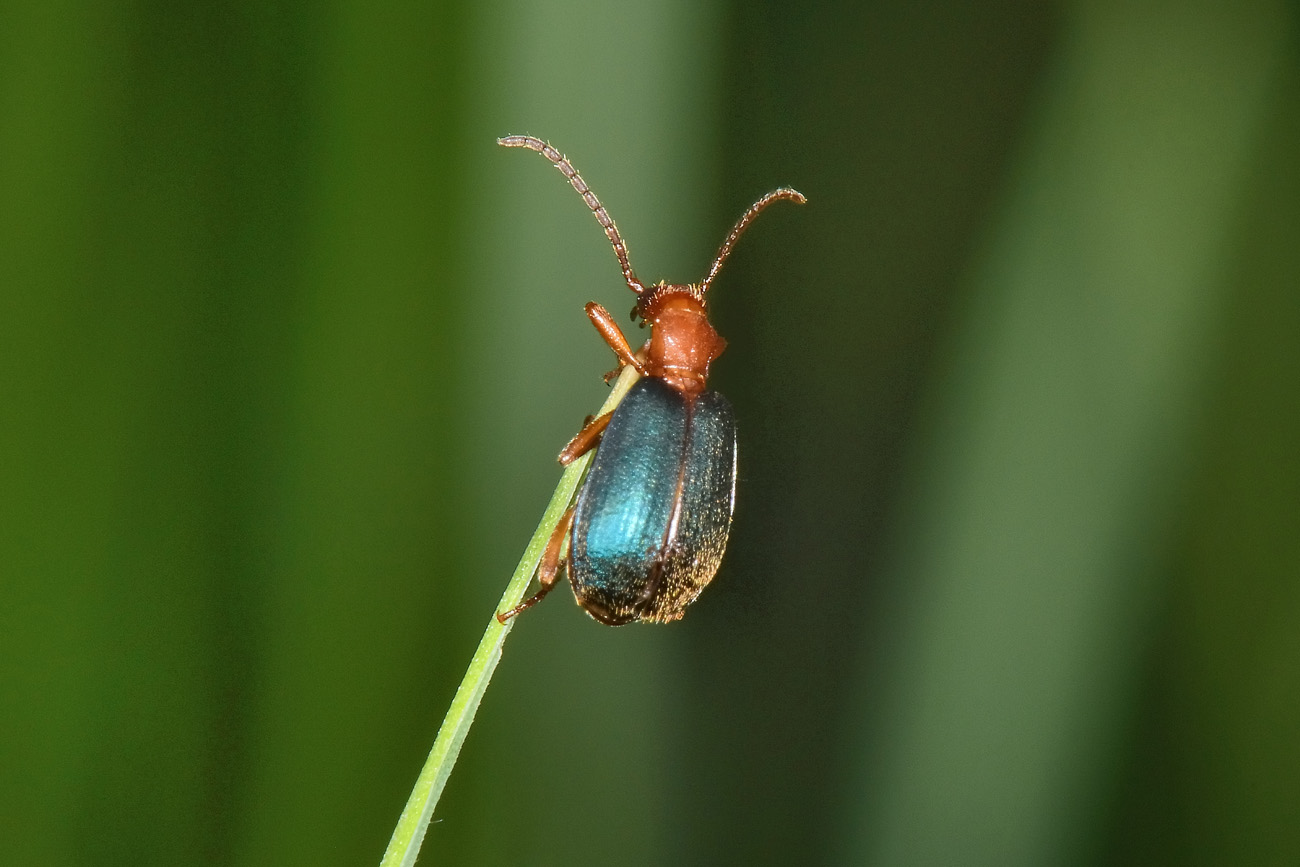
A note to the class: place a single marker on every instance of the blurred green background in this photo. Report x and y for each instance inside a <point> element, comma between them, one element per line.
<point>288,347</point>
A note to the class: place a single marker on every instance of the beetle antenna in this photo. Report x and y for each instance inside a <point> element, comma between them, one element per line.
<point>742,224</point>
<point>602,216</point>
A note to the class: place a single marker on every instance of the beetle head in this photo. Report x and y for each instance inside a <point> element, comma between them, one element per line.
<point>651,299</point>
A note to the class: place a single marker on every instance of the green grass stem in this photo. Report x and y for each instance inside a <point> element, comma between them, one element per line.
<point>404,846</point>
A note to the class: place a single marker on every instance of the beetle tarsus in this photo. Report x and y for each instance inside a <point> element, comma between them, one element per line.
<point>503,616</point>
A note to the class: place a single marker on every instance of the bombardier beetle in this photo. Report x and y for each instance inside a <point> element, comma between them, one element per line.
<point>651,521</point>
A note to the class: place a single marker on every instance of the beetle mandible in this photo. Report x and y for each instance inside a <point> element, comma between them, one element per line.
<point>650,523</point>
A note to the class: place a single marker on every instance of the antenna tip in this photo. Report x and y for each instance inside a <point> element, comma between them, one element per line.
<point>790,193</point>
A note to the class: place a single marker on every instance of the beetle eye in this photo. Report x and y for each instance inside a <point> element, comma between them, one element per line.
<point>635,308</point>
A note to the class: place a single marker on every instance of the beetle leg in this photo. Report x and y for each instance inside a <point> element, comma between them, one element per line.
<point>639,355</point>
<point>585,440</point>
<point>613,335</point>
<point>547,571</point>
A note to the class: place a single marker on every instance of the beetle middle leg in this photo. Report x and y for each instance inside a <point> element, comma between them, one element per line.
<point>585,440</point>
<point>613,336</point>
<point>548,570</point>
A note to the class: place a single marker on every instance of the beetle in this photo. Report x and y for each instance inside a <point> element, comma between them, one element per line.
<point>650,523</point>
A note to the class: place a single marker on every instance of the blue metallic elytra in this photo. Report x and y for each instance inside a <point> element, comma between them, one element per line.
<point>653,517</point>
<point>651,520</point>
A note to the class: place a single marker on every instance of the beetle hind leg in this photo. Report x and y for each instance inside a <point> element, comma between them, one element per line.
<point>548,570</point>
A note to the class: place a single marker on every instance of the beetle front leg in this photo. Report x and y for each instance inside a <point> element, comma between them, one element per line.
<point>613,336</point>
<point>639,355</point>
<point>548,570</point>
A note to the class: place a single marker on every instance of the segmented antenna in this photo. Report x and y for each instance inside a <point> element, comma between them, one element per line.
<point>742,224</point>
<point>602,216</point>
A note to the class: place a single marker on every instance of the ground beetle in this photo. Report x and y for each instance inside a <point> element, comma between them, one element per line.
<point>651,521</point>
